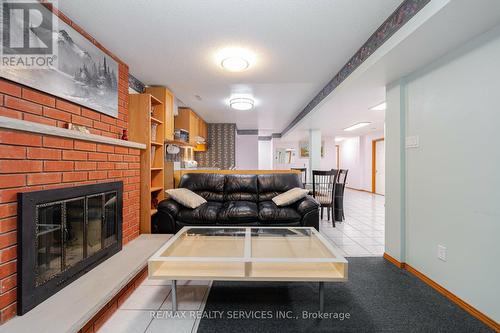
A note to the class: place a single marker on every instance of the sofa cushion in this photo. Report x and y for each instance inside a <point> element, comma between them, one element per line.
<point>186,197</point>
<point>241,188</point>
<point>208,185</point>
<point>270,185</point>
<point>238,212</point>
<point>271,213</point>
<point>204,214</point>
<point>289,197</point>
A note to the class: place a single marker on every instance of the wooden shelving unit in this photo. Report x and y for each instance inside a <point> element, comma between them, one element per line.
<point>179,143</point>
<point>146,125</point>
<point>167,98</point>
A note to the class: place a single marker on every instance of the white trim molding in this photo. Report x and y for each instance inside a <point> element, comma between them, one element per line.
<point>28,126</point>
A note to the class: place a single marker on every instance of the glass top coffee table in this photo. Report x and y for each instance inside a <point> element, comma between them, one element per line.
<point>248,254</point>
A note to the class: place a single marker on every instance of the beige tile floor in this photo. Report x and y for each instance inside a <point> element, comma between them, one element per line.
<point>361,234</point>
<point>153,296</point>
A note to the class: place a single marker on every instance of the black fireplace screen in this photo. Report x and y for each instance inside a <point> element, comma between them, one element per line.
<point>63,234</point>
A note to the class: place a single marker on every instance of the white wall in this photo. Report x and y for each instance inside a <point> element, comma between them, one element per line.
<point>394,174</point>
<point>350,158</point>
<point>265,155</point>
<point>356,155</point>
<point>297,161</point>
<point>247,152</point>
<point>328,161</point>
<point>452,178</point>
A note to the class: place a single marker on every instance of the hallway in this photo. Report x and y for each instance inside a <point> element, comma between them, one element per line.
<point>362,232</point>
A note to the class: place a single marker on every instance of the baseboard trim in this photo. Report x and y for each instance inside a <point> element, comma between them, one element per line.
<point>446,293</point>
<point>393,261</point>
<point>361,190</point>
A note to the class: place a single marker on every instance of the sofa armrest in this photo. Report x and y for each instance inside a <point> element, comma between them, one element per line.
<point>169,206</point>
<point>164,221</point>
<point>307,205</point>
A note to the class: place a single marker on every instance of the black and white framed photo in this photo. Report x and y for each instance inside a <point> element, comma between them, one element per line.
<point>82,73</point>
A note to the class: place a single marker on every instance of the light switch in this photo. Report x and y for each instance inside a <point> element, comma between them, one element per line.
<point>412,142</point>
<point>441,252</point>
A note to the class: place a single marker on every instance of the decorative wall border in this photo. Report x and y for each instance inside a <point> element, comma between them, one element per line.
<point>256,132</point>
<point>393,23</point>
<point>247,131</point>
<point>136,84</point>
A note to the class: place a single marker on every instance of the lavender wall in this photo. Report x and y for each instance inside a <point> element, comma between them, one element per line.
<point>247,152</point>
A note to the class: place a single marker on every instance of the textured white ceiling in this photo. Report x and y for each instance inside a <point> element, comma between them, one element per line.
<point>300,45</point>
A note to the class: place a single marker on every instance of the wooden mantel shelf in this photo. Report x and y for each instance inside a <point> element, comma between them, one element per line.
<point>28,126</point>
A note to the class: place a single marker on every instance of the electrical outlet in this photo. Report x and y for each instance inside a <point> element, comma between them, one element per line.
<point>441,252</point>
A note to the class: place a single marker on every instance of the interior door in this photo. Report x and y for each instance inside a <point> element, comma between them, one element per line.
<point>380,167</point>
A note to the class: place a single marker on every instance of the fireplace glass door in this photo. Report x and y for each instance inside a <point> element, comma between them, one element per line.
<point>49,242</point>
<point>110,219</point>
<point>64,233</point>
<point>94,224</point>
<point>69,231</point>
<point>73,232</point>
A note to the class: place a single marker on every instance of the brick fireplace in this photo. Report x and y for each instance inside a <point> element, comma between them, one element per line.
<point>31,161</point>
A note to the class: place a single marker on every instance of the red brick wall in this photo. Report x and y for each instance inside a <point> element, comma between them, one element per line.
<point>30,162</point>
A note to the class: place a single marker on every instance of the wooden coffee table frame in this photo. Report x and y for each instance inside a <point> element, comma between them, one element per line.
<point>187,257</point>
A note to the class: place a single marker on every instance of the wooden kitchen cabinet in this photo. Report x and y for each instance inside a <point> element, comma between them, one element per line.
<point>195,120</point>
<point>202,129</point>
<point>167,98</point>
<point>182,119</point>
<point>189,121</point>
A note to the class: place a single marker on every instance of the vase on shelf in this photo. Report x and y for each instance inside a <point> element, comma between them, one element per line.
<point>124,135</point>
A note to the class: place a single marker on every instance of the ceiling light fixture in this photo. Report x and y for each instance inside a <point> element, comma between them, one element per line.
<point>241,103</point>
<point>356,126</point>
<point>379,107</point>
<point>235,59</point>
<point>234,64</point>
<point>339,139</point>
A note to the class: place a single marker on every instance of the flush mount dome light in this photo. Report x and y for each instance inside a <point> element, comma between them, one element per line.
<point>234,64</point>
<point>241,103</point>
<point>235,59</point>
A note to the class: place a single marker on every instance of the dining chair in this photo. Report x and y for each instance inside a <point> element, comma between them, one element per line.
<point>324,189</point>
<point>339,195</point>
<point>303,174</point>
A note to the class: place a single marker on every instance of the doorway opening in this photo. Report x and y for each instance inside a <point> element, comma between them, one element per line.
<point>337,154</point>
<point>378,166</point>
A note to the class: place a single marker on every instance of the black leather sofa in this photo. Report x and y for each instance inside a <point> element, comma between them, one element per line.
<point>237,200</point>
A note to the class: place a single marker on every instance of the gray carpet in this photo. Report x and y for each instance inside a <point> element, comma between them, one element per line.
<point>378,296</point>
